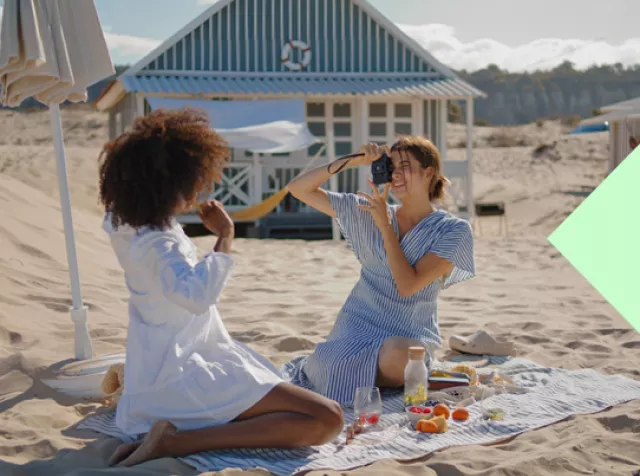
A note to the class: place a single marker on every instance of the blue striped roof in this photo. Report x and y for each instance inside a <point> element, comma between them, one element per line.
<point>298,84</point>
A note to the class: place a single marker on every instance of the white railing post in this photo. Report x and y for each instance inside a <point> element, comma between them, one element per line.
<point>257,179</point>
<point>363,172</point>
<point>444,119</point>
<point>333,180</point>
<point>612,146</point>
<point>470,200</point>
<point>417,111</point>
<point>139,105</point>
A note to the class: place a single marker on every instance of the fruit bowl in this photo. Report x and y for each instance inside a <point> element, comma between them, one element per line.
<point>416,414</point>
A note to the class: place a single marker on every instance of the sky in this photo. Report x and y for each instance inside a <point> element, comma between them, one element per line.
<point>516,35</point>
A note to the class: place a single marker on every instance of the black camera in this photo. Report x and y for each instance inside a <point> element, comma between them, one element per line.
<point>382,169</point>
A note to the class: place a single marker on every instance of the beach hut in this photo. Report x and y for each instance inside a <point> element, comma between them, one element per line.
<point>358,76</point>
<point>623,119</point>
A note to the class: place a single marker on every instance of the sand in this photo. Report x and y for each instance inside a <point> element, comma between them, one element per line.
<point>525,291</point>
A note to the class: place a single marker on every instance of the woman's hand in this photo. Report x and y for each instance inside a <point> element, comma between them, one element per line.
<point>215,218</point>
<point>372,152</point>
<point>378,206</point>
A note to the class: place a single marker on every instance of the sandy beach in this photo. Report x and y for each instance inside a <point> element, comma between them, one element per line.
<point>525,292</point>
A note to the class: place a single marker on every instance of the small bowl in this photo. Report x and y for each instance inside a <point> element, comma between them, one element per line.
<point>414,418</point>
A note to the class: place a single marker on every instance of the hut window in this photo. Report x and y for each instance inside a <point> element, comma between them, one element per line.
<point>378,129</point>
<point>318,129</point>
<point>403,110</point>
<point>315,109</point>
<point>343,148</point>
<point>402,128</point>
<point>342,110</point>
<point>313,150</point>
<point>342,129</point>
<point>377,110</point>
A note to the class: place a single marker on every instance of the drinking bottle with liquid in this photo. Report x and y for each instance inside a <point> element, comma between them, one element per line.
<point>416,379</point>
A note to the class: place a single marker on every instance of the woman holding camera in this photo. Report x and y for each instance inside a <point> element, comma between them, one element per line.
<point>408,253</point>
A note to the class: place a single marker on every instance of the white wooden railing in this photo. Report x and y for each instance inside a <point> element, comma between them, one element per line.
<point>236,186</point>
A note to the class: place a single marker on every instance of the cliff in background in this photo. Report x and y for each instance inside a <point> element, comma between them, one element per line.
<point>521,98</point>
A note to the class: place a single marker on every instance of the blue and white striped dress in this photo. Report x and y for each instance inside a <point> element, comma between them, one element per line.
<point>374,311</point>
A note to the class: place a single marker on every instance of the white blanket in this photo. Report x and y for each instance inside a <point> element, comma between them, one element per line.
<point>554,394</point>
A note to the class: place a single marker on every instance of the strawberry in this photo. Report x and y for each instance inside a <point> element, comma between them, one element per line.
<point>373,419</point>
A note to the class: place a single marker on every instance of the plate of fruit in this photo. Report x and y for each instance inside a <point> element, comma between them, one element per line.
<point>435,419</point>
<point>417,413</point>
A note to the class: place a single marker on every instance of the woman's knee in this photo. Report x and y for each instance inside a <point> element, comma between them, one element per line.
<point>333,419</point>
<point>397,348</point>
<point>329,422</point>
<point>393,358</point>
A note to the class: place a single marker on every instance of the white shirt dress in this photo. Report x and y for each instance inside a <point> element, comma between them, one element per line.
<point>181,363</point>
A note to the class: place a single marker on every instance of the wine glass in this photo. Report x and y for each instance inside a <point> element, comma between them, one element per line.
<point>367,405</point>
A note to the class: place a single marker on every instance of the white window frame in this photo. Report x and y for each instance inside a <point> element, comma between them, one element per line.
<point>416,119</point>
<point>329,119</point>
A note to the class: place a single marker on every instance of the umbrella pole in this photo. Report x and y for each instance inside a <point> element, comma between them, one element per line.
<point>83,348</point>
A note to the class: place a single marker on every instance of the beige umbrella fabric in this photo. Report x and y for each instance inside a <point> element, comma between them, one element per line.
<point>53,50</point>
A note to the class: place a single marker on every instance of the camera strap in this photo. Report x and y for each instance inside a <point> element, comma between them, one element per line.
<point>348,159</point>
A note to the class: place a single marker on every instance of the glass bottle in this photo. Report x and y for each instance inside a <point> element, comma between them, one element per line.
<point>416,379</point>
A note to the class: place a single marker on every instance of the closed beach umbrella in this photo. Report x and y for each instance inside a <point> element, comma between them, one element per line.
<point>52,50</point>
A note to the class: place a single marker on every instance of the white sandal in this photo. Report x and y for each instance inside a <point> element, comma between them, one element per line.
<point>481,343</point>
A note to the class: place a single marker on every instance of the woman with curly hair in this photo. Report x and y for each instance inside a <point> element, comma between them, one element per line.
<point>188,385</point>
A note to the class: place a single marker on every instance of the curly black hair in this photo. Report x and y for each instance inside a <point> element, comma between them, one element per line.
<point>164,156</point>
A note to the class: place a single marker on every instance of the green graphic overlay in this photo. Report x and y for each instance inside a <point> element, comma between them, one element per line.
<point>601,239</point>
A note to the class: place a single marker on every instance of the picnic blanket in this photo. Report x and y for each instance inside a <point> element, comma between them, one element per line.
<point>553,395</point>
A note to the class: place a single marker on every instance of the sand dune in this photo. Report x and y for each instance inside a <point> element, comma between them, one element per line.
<point>525,291</point>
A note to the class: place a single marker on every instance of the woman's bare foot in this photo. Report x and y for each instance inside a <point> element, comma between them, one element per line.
<point>122,452</point>
<point>152,447</point>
